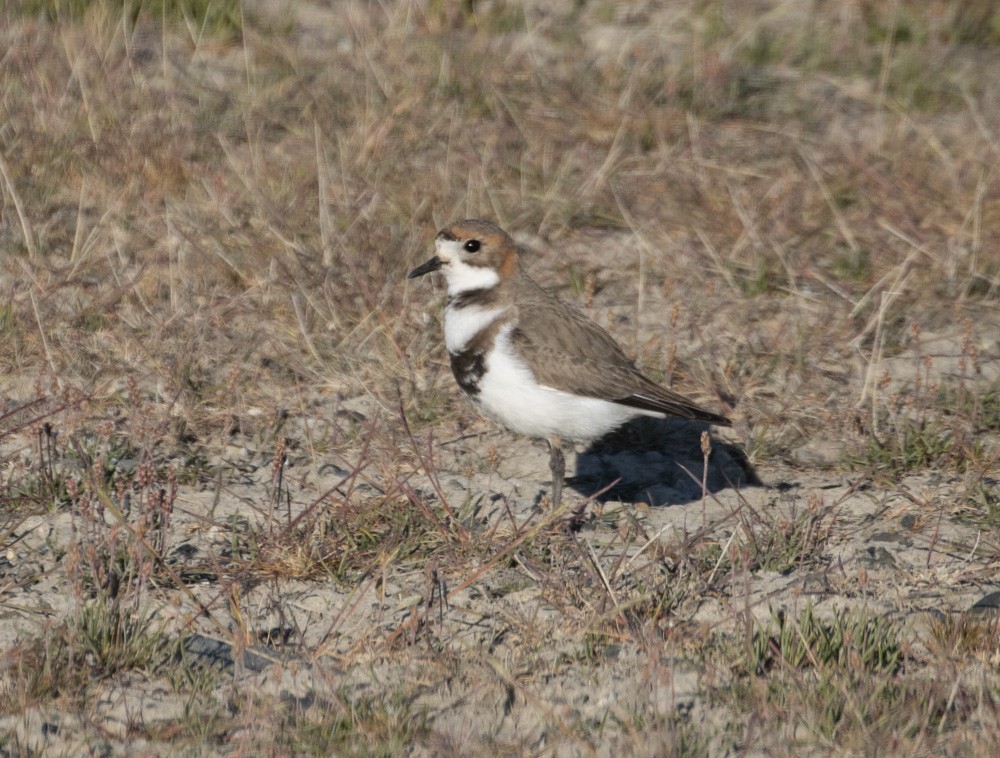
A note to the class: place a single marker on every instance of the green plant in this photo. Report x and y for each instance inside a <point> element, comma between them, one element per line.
<point>220,18</point>
<point>852,640</point>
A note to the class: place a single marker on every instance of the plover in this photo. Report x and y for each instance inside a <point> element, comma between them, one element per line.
<point>530,361</point>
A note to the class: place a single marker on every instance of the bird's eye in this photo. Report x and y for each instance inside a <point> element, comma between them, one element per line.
<point>472,246</point>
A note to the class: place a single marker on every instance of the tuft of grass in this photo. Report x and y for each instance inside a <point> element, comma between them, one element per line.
<point>106,638</point>
<point>835,679</point>
<point>109,638</point>
<point>911,448</point>
<point>853,640</point>
<point>784,540</point>
<point>853,265</point>
<point>965,636</point>
<point>982,505</point>
<point>214,18</point>
<point>950,423</point>
<point>344,533</point>
<point>973,22</point>
<point>352,726</point>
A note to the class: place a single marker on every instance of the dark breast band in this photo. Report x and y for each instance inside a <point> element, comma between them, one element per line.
<point>468,366</point>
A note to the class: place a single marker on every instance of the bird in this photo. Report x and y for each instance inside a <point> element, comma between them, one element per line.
<point>530,361</point>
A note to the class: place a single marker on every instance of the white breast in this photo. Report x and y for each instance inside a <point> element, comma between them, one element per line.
<point>462,324</point>
<point>509,392</point>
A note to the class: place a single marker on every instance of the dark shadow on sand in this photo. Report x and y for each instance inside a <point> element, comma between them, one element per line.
<point>650,456</point>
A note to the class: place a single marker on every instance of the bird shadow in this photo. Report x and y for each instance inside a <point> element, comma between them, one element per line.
<point>659,462</point>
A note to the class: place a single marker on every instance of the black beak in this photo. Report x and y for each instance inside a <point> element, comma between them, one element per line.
<point>425,268</point>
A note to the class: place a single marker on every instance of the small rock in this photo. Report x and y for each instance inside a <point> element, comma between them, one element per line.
<point>816,583</point>
<point>876,557</point>
<point>890,537</point>
<point>987,604</point>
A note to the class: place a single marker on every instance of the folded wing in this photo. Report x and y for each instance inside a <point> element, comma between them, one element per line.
<point>574,354</point>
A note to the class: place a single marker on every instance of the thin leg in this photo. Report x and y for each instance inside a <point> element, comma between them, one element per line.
<point>557,464</point>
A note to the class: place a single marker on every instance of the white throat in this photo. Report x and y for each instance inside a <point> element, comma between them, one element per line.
<point>461,276</point>
<point>465,278</point>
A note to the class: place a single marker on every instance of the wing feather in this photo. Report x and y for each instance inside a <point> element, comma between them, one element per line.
<point>572,353</point>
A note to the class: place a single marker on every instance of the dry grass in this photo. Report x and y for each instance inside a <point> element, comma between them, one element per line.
<point>226,413</point>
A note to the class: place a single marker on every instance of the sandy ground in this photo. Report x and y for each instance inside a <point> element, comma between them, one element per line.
<point>501,656</point>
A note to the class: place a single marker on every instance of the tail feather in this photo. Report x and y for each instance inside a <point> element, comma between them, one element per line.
<point>672,405</point>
